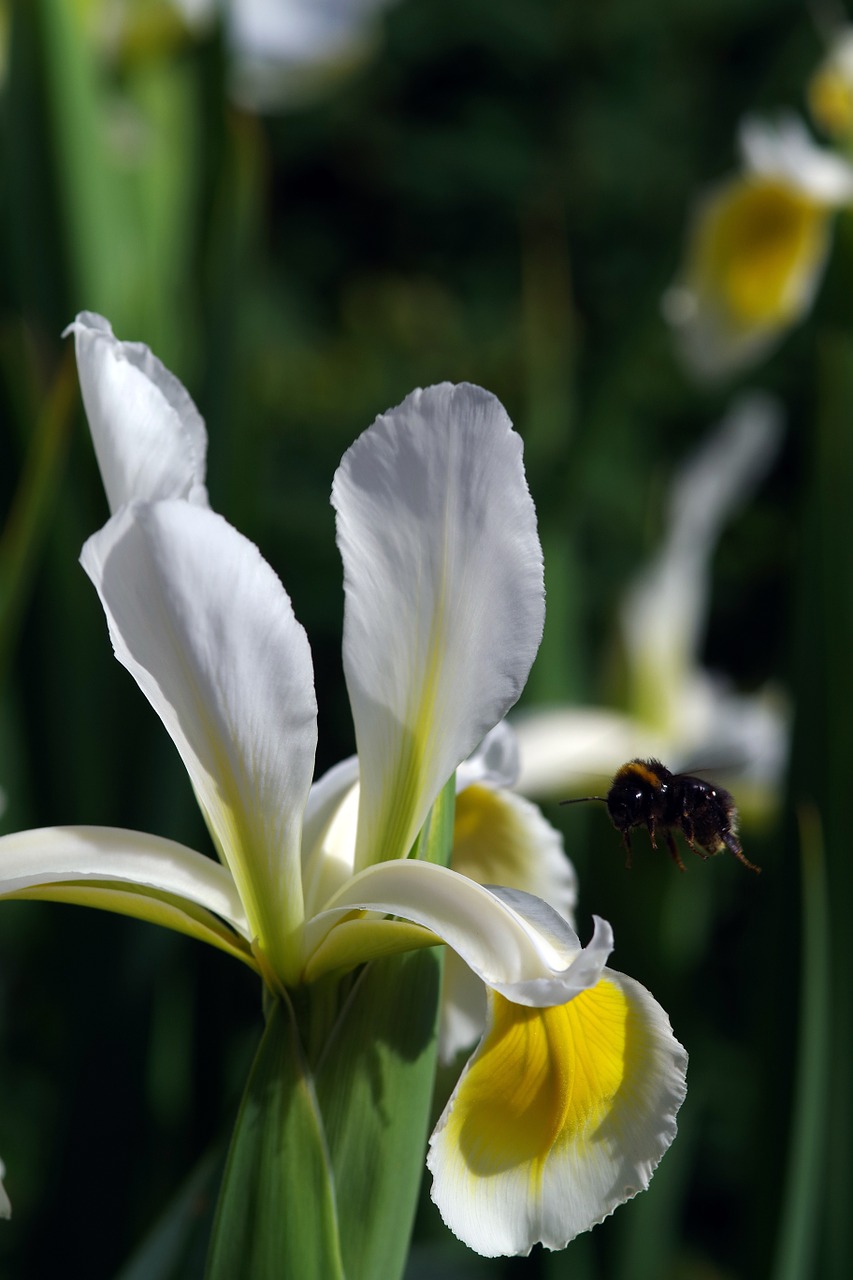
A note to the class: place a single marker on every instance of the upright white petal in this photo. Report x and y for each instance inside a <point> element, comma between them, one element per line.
<point>149,438</point>
<point>664,613</point>
<point>207,631</point>
<point>444,597</point>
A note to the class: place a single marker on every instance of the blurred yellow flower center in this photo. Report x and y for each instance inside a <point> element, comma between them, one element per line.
<point>544,1077</point>
<point>761,245</point>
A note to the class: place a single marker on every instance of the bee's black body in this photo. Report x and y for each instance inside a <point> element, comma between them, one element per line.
<point>644,793</point>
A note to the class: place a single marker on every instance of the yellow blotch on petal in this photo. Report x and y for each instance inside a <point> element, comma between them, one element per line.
<point>543,1079</point>
<point>758,247</point>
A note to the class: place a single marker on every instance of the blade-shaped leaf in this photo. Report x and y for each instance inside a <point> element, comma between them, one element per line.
<point>276,1215</point>
<point>376,1110</point>
<point>374,1084</point>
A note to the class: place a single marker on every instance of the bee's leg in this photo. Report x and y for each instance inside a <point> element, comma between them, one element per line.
<point>673,850</point>
<point>689,835</point>
<point>626,840</point>
<point>733,846</point>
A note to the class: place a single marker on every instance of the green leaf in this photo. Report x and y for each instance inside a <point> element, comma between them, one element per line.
<point>374,1081</point>
<point>276,1214</point>
<point>796,1246</point>
<point>92,212</point>
<point>31,511</point>
<point>374,1084</point>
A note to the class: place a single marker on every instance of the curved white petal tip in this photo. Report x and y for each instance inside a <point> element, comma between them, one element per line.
<point>149,438</point>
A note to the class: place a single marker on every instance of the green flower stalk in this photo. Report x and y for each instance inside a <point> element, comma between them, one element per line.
<point>569,1100</point>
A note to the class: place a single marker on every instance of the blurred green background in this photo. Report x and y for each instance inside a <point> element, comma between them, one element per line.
<point>496,192</point>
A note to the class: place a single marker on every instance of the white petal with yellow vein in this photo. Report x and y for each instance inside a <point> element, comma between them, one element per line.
<point>560,1115</point>
<point>207,631</point>
<point>444,598</point>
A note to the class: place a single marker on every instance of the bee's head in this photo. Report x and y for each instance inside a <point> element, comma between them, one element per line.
<point>635,789</point>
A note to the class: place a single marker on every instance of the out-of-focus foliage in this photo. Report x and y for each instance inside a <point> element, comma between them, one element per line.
<point>497,193</point>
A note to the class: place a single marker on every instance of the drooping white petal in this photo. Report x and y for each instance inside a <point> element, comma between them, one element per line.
<point>498,838</point>
<point>517,944</point>
<point>561,1115</point>
<point>149,438</point>
<point>53,855</point>
<point>207,631</point>
<point>5,1204</point>
<point>444,598</point>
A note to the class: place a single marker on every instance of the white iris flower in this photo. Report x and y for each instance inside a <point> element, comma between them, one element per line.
<point>569,1100</point>
<point>756,248</point>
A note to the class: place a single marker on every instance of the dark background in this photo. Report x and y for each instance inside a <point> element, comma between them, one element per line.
<point>498,194</point>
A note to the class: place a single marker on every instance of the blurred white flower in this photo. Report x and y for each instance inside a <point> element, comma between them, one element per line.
<point>677,711</point>
<point>282,51</point>
<point>756,248</point>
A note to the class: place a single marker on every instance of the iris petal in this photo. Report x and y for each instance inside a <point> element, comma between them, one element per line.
<point>498,838</point>
<point>207,631</point>
<point>560,1115</point>
<point>444,598</point>
<point>516,943</point>
<point>149,438</point>
<point>53,854</point>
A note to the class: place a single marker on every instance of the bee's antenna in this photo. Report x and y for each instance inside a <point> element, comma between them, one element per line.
<point>583,799</point>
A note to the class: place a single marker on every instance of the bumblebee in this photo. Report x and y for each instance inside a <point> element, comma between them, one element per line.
<point>644,793</point>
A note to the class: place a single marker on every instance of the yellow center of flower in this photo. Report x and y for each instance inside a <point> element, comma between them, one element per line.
<point>543,1078</point>
<point>761,246</point>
